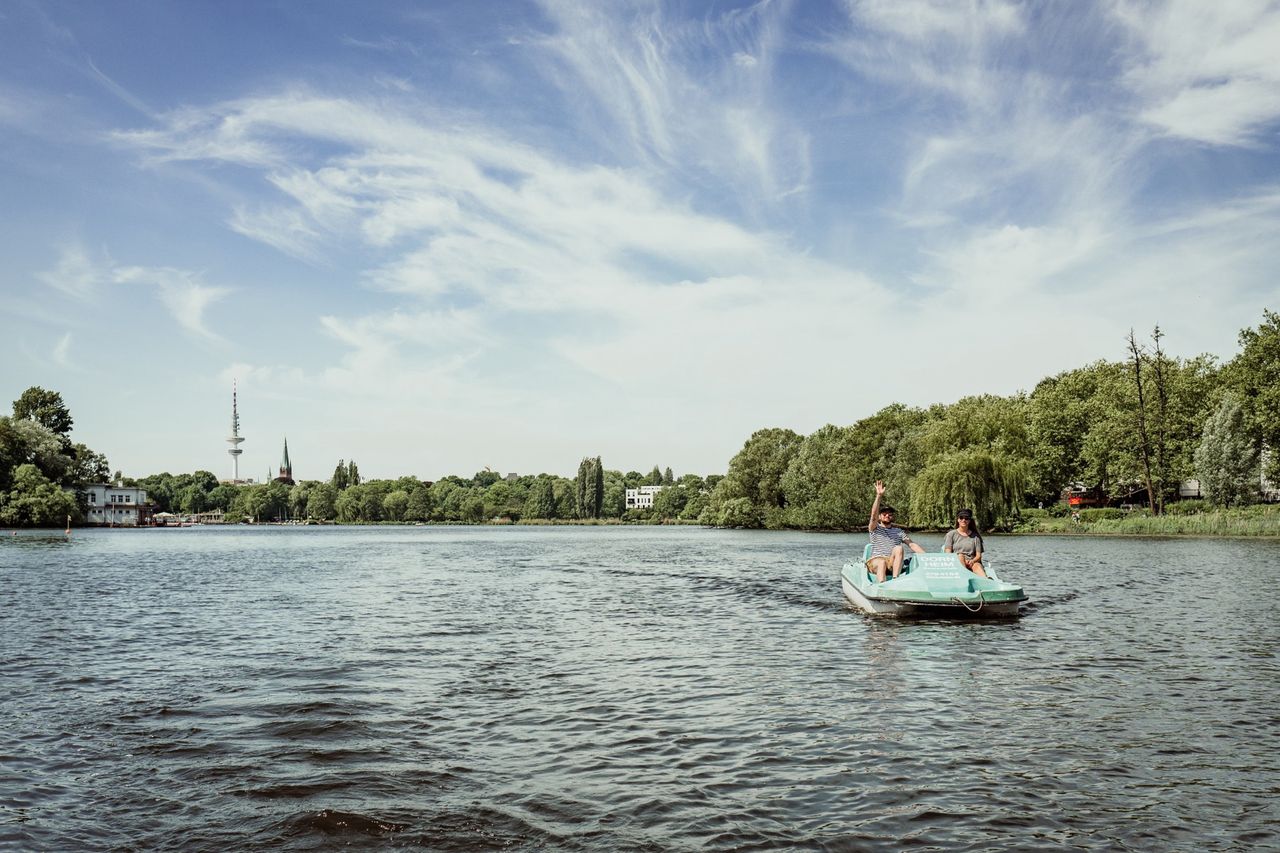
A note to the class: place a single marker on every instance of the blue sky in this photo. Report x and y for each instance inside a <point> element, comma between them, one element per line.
<point>434,237</point>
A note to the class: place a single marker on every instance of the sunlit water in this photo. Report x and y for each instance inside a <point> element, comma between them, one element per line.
<point>625,688</point>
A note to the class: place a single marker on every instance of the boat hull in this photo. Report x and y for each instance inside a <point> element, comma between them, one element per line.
<point>953,609</point>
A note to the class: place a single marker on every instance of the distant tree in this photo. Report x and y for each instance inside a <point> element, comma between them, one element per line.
<point>670,502</point>
<point>473,507</point>
<point>486,478</point>
<point>420,504</point>
<point>88,466</point>
<point>23,440</point>
<point>581,487</point>
<point>1135,362</point>
<point>597,488</point>
<point>755,474</point>
<point>340,479</point>
<point>395,505</point>
<point>566,498</point>
<point>353,474</point>
<point>1227,459</point>
<point>299,497</point>
<point>321,501</point>
<point>615,495</point>
<point>33,500</point>
<point>655,477</point>
<point>222,497</point>
<point>45,408</point>
<point>542,499</point>
<point>1254,376</point>
<point>193,499</point>
<point>1160,376</point>
<point>668,478</point>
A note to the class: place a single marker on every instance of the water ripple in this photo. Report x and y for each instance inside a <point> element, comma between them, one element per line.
<point>625,689</point>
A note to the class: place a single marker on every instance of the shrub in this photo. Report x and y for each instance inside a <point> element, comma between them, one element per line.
<point>1091,515</point>
<point>1188,507</point>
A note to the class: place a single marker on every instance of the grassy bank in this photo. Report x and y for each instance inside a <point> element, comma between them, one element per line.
<point>1261,520</point>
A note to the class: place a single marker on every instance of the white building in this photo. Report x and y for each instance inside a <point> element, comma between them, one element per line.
<point>118,506</point>
<point>642,498</point>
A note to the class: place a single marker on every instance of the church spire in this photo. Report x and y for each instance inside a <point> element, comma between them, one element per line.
<point>286,467</point>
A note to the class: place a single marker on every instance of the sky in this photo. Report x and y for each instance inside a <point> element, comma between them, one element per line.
<point>439,237</point>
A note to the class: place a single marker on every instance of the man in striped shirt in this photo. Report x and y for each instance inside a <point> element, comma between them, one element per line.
<point>887,541</point>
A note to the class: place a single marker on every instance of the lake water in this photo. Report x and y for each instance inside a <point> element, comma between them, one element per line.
<point>457,688</point>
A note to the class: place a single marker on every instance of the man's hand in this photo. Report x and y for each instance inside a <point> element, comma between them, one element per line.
<point>879,488</point>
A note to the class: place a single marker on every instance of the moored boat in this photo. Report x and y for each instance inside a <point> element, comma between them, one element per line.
<point>932,583</point>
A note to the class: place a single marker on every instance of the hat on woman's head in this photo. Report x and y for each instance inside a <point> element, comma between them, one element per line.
<point>965,513</point>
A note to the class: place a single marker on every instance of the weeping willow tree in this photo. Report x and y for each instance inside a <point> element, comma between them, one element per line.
<point>988,483</point>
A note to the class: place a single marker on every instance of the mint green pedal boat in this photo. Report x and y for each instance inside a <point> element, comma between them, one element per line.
<point>931,584</point>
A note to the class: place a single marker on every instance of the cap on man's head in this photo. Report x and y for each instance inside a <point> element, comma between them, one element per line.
<point>965,513</point>
<point>888,509</point>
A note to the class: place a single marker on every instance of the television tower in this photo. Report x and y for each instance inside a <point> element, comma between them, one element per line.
<point>235,438</point>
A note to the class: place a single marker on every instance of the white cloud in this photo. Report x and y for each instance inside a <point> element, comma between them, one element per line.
<point>675,92</point>
<point>76,273</point>
<point>180,291</point>
<point>62,351</point>
<point>1206,72</point>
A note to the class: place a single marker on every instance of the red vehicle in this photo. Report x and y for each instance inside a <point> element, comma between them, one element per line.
<point>1079,496</point>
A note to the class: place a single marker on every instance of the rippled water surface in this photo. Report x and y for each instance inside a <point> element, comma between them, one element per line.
<point>625,688</point>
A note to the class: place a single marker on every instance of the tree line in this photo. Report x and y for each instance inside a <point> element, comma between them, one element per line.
<point>1126,430</point>
<point>595,493</point>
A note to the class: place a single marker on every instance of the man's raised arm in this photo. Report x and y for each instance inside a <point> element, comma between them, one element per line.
<point>875,506</point>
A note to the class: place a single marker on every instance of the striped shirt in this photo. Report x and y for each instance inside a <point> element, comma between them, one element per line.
<point>885,539</point>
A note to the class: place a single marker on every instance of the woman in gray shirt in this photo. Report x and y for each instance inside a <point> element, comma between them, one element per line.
<point>966,541</point>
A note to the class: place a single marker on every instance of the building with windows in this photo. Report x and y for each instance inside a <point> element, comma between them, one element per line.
<point>642,498</point>
<point>116,506</point>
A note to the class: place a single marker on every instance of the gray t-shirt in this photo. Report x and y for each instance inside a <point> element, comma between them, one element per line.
<point>961,544</point>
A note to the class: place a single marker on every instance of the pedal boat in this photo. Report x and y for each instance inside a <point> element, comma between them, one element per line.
<point>931,584</point>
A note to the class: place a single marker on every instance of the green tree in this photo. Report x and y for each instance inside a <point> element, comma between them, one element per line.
<point>24,441</point>
<point>33,500</point>
<point>193,499</point>
<point>668,479</point>
<point>45,408</point>
<point>1254,376</point>
<point>299,498</point>
<point>755,474</point>
<point>654,478</point>
<point>395,505</point>
<point>420,503</point>
<point>322,502</point>
<point>223,497</point>
<point>581,488</point>
<point>542,499</point>
<point>824,482</point>
<point>615,495</point>
<point>597,488</point>
<point>87,466</point>
<point>670,502</point>
<point>1227,459</point>
<point>340,480</point>
<point>566,498</point>
<point>990,484</point>
<point>353,474</point>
